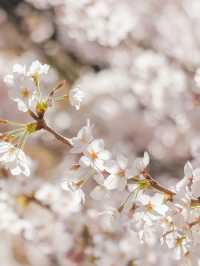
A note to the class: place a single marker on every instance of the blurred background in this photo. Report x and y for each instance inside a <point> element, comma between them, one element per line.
<point>137,62</point>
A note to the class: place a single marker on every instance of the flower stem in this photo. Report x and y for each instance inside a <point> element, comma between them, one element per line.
<point>57,135</point>
<point>195,222</point>
<point>33,115</point>
<point>12,123</point>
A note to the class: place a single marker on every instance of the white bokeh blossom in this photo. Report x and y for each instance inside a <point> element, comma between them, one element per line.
<point>76,97</point>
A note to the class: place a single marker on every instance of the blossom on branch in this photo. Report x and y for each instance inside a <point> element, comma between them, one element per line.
<point>14,159</point>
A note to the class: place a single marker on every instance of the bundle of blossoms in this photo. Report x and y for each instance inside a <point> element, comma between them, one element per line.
<point>106,210</point>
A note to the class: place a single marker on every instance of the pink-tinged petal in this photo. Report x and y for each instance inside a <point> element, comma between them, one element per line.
<point>188,170</point>
<point>146,159</point>
<point>122,161</point>
<point>122,184</point>
<point>8,157</point>
<point>161,209</point>
<point>158,199</point>
<point>196,189</point>
<point>113,182</point>
<point>196,174</point>
<point>85,161</point>
<point>98,193</point>
<point>182,184</point>
<point>99,164</point>
<point>4,146</point>
<point>138,166</point>
<point>99,178</point>
<point>98,145</point>
<point>144,199</point>
<point>19,69</point>
<point>112,167</point>
<point>9,80</point>
<point>21,105</point>
<point>104,155</point>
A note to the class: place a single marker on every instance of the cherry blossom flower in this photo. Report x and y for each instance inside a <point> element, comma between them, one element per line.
<point>179,242</point>
<point>190,182</point>
<point>22,89</point>
<point>76,97</point>
<point>178,213</point>
<point>83,139</point>
<point>100,192</point>
<point>95,155</point>
<point>37,69</point>
<point>76,175</point>
<point>188,175</point>
<point>14,159</point>
<point>118,174</point>
<point>24,84</point>
<point>140,164</point>
<point>152,207</point>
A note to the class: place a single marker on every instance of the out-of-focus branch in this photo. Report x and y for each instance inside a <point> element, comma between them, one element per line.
<point>56,135</point>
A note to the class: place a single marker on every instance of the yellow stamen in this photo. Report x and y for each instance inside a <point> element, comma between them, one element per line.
<point>31,128</point>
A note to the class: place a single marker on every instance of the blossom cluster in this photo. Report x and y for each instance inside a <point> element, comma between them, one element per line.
<point>101,197</point>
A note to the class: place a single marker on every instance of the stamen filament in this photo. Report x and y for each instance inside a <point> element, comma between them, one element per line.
<point>23,140</point>
<point>12,123</point>
<point>60,98</point>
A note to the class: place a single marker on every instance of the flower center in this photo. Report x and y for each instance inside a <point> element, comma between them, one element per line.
<point>149,207</point>
<point>25,93</point>
<point>31,127</point>
<point>121,173</point>
<point>179,240</point>
<point>93,155</point>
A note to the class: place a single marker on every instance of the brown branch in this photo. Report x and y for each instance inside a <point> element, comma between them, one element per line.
<point>41,124</point>
<point>41,204</point>
<point>156,185</point>
<point>57,135</point>
<point>197,221</point>
<point>33,115</point>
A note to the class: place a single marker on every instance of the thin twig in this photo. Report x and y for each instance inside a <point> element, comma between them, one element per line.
<point>57,135</point>
<point>155,184</point>
<point>169,193</point>
<point>197,221</point>
<point>33,115</point>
